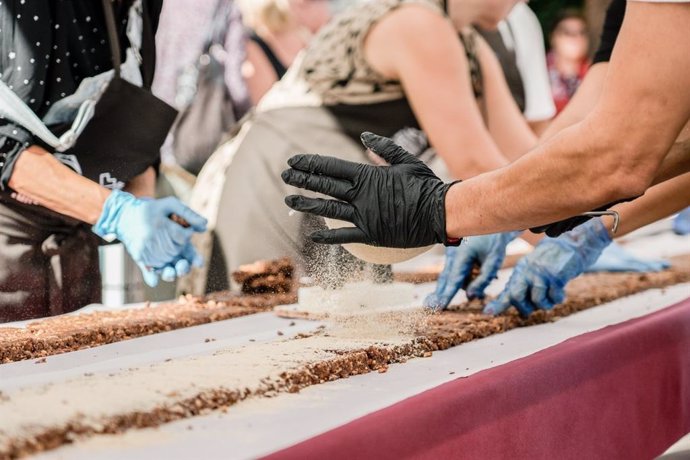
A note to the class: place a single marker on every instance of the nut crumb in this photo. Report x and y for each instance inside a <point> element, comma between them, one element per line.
<point>40,361</point>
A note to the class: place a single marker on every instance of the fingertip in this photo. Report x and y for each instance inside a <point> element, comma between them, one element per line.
<point>293,160</point>
<point>368,140</point>
<point>182,267</point>
<point>319,238</point>
<point>492,309</point>
<point>434,302</point>
<point>168,274</point>
<point>292,200</point>
<point>150,278</point>
<point>200,226</point>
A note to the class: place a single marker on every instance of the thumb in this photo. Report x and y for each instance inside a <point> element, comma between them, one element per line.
<point>387,149</point>
<point>195,221</point>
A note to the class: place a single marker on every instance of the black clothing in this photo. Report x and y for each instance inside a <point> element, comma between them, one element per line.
<point>508,60</point>
<point>609,34</point>
<point>49,262</point>
<point>277,65</point>
<point>48,47</point>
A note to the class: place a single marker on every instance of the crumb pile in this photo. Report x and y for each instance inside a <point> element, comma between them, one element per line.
<point>35,419</point>
<point>266,277</point>
<point>362,309</point>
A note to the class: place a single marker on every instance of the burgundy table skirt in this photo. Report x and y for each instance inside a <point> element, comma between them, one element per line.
<point>622,392</point>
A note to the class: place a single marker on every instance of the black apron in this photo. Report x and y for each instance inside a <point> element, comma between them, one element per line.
<point>130,124</point>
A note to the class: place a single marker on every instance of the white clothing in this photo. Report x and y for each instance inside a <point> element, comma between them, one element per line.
<point>522,32</point>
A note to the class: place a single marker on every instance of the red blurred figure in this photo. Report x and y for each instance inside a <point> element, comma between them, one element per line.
<point>567,60</point>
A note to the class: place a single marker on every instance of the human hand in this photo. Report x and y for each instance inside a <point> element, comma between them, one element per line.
<point>616,259</point>
<point>538,280</point>
<point>159,246</point>
<point>486,251</point>
<point>399,206</point>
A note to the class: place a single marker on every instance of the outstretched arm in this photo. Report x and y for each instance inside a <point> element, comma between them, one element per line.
<point>613,154</point>
<point>660,201</point>
<point>646,102</point>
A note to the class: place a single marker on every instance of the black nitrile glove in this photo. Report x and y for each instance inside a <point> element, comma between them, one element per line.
<point>558,228</point>
<point>398,206</point>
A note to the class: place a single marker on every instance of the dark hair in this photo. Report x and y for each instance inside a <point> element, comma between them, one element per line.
<point>569,13</point>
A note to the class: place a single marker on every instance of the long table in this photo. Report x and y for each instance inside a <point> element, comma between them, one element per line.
<point>609,382</point>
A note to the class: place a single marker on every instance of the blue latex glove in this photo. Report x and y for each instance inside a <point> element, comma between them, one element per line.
<point>616,259</point>
<point>539,278</point>
<point>681,223</point>
<point>488,251</point>
<point>159,246</point>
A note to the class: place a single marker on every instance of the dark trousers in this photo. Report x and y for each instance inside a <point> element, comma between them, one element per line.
<point>48,263</point>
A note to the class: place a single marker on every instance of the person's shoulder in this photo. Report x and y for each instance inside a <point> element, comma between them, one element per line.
<point>413,22</point>
<point>413,15</point>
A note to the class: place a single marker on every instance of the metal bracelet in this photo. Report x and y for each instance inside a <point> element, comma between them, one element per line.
<point>614,214</point>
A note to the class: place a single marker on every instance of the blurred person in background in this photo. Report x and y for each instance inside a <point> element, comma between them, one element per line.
<point>79,70</point>
<point>519,45</point>
<point>367,69</point>
<point>182,31</point>
<point>278,31</point>
<point>567,59</point>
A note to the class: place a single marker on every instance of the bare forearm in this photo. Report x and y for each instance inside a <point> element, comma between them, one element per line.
<point>660,201</point>
<point>537,189</point>
<point>580,169</point>
<point>677,161</point>
<point>43,179</point>
<point>614,153</point>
